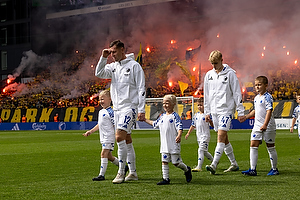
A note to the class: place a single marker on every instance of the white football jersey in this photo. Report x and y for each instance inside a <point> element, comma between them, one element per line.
<point>169,125</point>
<point>296,114</point>
<point>202,127</point>
<point>262,103</point>
<point>106,125</point>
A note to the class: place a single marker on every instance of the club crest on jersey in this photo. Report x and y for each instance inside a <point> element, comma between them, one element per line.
<point>171,120</point>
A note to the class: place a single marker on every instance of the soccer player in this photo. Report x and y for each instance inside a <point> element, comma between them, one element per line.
<point>264,127</point>
<point>128,97</point>
<point>106,129</point>
<point>222,95</point>
<point>202,133</point>
<point>170,127</point>
<point>296,116</point>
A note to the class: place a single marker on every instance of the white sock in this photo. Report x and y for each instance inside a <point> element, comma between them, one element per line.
<point>131,158</point>
<point>200,158</point>
<point>182,166</point>
<point>115,162</point>
<point>208,156</point>
<point>253,157</point>
<point>229,152</point>
<point>218,153</point>
<point>122,154</point>
<point>273,157</point>
<point>165,171</point>
<point>103,167</point>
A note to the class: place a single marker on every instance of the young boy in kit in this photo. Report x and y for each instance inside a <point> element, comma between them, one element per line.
<point>202,133</point>
<point>264,127</point>
<point>296,116</point>
<point>107,133</point>
<point>170,127</point>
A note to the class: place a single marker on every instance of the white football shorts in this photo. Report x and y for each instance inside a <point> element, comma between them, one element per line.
<point>174,158</point>
<point>268,136</point>
<point>124,120</point>
<point>109,146</point>
<point>221,122</point>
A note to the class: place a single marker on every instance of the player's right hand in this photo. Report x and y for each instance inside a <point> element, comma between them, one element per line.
<point>87,133</point>
<point>106,53</point>
<point>186,136</point>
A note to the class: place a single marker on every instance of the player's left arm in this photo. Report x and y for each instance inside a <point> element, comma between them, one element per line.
<point>237,95</point>
<point>140,83</point>
<point>267,120</point>
<point>178,138</point>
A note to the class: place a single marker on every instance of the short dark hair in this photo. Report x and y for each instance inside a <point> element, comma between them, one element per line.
<point>262,79</point>
<point>118,44</point>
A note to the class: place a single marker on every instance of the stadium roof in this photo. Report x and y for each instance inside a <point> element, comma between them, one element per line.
<point>106,7</point>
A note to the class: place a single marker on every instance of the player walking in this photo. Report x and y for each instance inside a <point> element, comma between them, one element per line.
<point>128,97</point>
<point>222,95</point>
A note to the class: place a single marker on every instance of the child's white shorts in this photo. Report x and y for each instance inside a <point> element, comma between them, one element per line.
<point>174,158</point>
<point>267,136</point>
<point>109,146</point>
<point>203,145</point>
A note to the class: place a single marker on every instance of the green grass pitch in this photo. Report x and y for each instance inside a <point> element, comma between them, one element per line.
<point>61,165</point>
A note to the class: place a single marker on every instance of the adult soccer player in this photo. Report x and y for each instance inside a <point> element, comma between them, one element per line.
<point>128,96</point>
<point>222,95</point>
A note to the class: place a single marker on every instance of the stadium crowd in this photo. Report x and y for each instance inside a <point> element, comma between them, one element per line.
<point>281,90</point>
<point>282,86</point>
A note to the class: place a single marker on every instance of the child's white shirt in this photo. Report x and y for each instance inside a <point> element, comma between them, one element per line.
<point>296,115</point>
<point>262,103</point>
<point>169,125</point>
<point>106,125</point>
<point>202,127</point>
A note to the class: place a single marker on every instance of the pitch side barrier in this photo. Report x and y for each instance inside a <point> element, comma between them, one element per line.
<point>89,125</point>
<point>248,124</point>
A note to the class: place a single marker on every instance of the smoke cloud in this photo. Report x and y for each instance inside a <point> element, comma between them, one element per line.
<point>256,37</point>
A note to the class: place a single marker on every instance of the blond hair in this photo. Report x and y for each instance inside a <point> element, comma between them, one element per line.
<point>215,56</point>
<point>171,98</point>
<point>105,93</point>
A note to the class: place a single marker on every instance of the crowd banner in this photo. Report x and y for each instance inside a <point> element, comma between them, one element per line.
<point>72,118</point>
<point>67,114</point>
